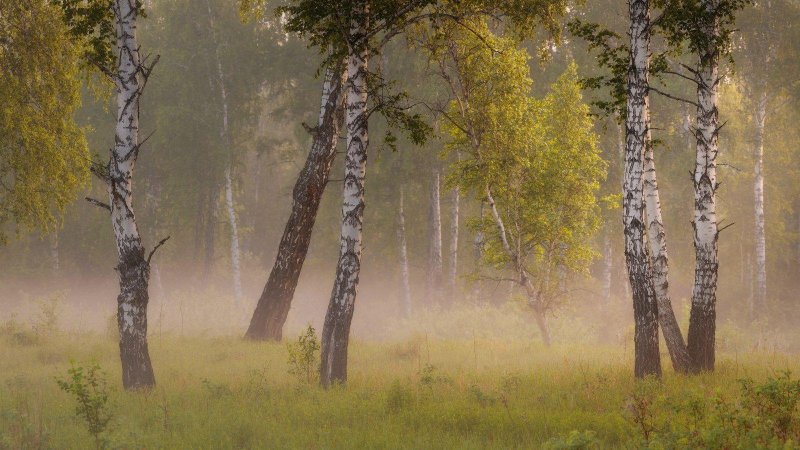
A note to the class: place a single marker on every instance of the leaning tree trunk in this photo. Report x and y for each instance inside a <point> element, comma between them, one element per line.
<point>759,299</point>
<point>226,139</point>
<point>435,264</point>
<point>336,331</point>
<point>702,323</point>
<point>405,279</point>
<point>133,268</point>
<point>660,266</point>
<point>452,273</point>
<point>637,124</point>
<point>276,299</point>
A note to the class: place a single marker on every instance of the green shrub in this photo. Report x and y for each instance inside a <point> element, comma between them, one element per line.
<point>575,440</point>
<point>89,388</point>
<point>303,360</point>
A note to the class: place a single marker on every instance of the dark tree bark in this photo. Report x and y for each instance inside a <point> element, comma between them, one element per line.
<point>637,124</point>
<point>276,299</point>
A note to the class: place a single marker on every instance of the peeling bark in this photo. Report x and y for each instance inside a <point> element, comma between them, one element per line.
<point>276,298</point>
<point>336,331</point>
<point>133,268</point>
<point>637,125</point>
<point>702,323</point>
<point>660,266</point>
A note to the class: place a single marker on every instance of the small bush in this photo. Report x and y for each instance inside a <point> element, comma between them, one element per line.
<point>89,388</point>
<point>303,359</point>
<point>398,397</point>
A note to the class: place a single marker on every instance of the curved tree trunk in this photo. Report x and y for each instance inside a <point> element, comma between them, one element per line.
<point>336,331</point>
<point>702,323</point>
<point>276,299</point>
<point>133,268</point>
<point>637,123</point>
<point>660,266</point>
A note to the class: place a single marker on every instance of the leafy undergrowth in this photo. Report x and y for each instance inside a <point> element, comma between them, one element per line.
<point>420,393</point>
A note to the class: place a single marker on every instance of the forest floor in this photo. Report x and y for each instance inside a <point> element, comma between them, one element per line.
<point>418,393</point>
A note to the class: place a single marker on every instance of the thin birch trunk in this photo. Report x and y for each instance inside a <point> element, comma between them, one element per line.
<point>637,124</point>
<point>133,268</point>
<point>435,264</point>
<point>276,298</point>
<point>452,274</point>
<point>477,246</point>
<point>660,266</point>
<point>336,331</point>
<point>209,234</point>
<point>759,300</point>
<point>608,265</point>
<point>405,279</point>
<point>702,323</point>
<point>226,138</point>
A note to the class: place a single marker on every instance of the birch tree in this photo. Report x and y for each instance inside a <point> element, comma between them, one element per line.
<point>435,260</point>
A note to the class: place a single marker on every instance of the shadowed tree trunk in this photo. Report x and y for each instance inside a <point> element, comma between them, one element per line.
<point>276,299</point>
<point>702,323</point>
<point>637,124</point>
<point>336,331</point>
<point>405,281</point>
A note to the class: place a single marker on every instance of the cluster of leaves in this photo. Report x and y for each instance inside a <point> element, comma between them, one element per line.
<point>92,22</point>
<point>89,388</point>
<point>303,356</point>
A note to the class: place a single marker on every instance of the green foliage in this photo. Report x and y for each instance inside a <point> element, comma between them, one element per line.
<point>89,388</point>
<point>303,356</point>
<point>43,154</point>
<point>575,440</point>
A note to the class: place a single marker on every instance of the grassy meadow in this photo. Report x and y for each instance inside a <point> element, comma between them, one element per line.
<point>419,392</point>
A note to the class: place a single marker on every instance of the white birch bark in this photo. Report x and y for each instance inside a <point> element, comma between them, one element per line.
<point>336,331</point>
<point>435,263</point>
<point>133,268</point>
<point>759,300</point>
<point>702,325</point>
<point>660,265</point>
<point>226,138</point>
<point>405,279</point>
<point>637,124</point>
<point>452,275</point>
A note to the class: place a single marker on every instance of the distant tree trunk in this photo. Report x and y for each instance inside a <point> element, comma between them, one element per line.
<point>759,300</point>
<point>608,266</point>
<point>405,280</point>
<point>435,265</point>
<point>660,266</point>
<point>477,245</point>
<point>276,299</point>
<point>133,267</point>
<point>226,138</point>
<point>336,331</point>
<point>55,258</point>
<point>637,124</point>
<point>209,234</point>
<point>452,275</point>
<point>702,323</point>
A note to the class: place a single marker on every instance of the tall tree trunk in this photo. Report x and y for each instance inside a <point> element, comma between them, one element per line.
<point>660,266</point>
<point>209,234</point>
<point>452,274</point>
<point>477,247</point>
<point>405,280</point>
<point>759,300</point>
<point>226,138</point>
<point>336,331</point>
<point>702,323</point>
<point>637,124</point>
<point>133,268</point>
<point>435,265</point>
<point>276,299</point>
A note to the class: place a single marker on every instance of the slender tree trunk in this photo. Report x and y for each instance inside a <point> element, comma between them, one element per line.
<point>759,300</point>
<point>452,274</point>
<point>276,299</point>
<point>702,323</point>
<point>336,331</point>
<point>435,265</point>
<point>226,138</point>
<point>404,272</point>
<point>133,268</point>
<point>608,266</point>
<point>477,246</point>
<point>209,234</point>
<point>645,309</point>
<point>660,266</point>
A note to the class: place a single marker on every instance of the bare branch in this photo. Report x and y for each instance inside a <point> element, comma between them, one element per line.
<point>153,251</point>
<point>98,203</point>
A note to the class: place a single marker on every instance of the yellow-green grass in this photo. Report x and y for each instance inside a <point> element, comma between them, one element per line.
<point>419,393</point>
